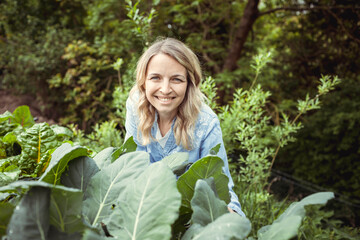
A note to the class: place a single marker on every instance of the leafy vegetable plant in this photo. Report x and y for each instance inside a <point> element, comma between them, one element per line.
<point>119,194</point>
<point>26,146</point>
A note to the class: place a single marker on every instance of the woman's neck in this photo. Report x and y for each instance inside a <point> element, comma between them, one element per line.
<point>164,124</point>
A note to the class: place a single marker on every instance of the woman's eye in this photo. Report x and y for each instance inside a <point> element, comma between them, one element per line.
<point>154,78</point>
<point>177,80</point>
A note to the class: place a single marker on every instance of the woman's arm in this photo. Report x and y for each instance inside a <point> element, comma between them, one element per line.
<point>131,124</point>
<point>212,139</point>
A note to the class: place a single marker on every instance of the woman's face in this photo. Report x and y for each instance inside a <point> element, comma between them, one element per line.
<point>165,85</point>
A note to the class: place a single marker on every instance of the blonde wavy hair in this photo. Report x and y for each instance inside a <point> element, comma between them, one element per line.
<point>188,110</point>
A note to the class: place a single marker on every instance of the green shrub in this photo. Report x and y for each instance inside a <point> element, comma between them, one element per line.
<point>252,141</point>
<point>35,35</point>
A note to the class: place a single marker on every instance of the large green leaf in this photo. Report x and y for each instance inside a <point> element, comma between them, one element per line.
<point>23,186</point>
<point>210,166</point>
<point>61,131</point>
<point>110,154</point>
<point>5,125</point>
<point>205,205</point>
<point>90,235</point>
<point>9,175</point>
<point>59,161</point>
<point>5,116</point>
<point>35,143</point>
<point>148,207</point>
<point>65,205</point>
<point>195,229</point>
<point>177,162</point>
<point>65,209</point>
<point>281,230</point>
<point>9,138</point>
<point>22,116</point>
<point>226,227</point>
<point>105,186</point>
<point>128,146</point>
<point>30,219</point>
<point>79,173</point>
<point>6,210</point>
<point>286,226</point>
<point>215,150</point>
<point>297,208</point>
<point>104,157</point>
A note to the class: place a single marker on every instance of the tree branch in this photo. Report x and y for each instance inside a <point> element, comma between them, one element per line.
<point>342,26</point>
<point>246,22</point>
<point>251,14</point>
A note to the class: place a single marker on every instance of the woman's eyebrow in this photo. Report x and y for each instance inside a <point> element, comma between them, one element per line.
<point>155,74</point>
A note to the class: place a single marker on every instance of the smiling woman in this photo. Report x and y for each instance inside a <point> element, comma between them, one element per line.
<point>165,88</point>
<point>166,112</point>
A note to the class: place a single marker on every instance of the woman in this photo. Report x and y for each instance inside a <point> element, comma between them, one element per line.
<point>166,112</point>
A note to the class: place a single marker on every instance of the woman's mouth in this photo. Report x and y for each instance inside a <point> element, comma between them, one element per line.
<point>164,99</point>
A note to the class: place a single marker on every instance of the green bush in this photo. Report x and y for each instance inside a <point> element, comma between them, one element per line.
<point>35,35</point>
<point>253,141</point>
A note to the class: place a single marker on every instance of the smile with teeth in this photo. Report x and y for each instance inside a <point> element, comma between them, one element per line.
<point>165,99</point>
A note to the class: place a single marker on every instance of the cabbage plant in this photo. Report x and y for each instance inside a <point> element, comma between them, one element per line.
<point>119,194</point>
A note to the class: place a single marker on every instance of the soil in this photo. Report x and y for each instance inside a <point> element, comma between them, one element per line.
<point>9,101</point>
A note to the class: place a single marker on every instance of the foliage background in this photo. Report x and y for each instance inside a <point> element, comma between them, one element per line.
<point>78,56</point>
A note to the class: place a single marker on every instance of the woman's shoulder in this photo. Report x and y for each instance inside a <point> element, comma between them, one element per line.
<point>133,97</point>
<point>206,123</point>
<point>131,102</point>
<point>206,111</point>
<point>206,115</point>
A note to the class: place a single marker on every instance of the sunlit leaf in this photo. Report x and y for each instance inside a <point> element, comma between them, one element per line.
<point>59,161</point>
<point>106,186</point>
<point>103,158</point>
<point>205,205</point>
<point>22,116</point>
<point>148,207</point>
<point>177,162</point>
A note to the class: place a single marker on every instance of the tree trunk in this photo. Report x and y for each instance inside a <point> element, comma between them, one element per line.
<point>251,13</point>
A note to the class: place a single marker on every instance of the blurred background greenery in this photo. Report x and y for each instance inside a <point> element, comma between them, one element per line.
<point>77,58</point>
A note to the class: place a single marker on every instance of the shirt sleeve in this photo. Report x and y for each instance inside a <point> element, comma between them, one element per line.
<point>131,124</point>
<point>211,139</point>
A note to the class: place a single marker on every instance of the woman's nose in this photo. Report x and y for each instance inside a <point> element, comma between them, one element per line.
<point>165,87</point>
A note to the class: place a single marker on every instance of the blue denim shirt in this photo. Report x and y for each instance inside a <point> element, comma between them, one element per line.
<point>207,135</point>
